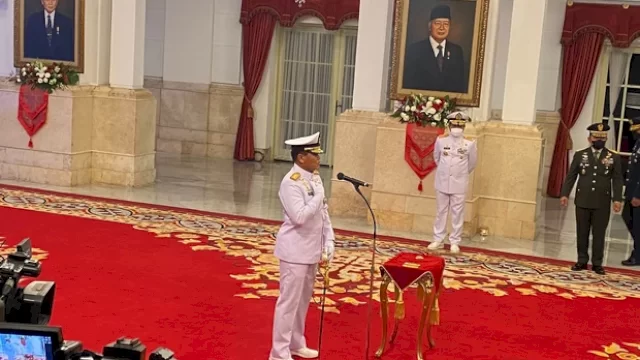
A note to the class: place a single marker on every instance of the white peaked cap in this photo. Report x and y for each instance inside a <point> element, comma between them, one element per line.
<point>305,140</point>
<point>458,115</point>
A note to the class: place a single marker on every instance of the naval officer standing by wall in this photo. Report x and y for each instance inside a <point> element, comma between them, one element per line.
<point>456,157</point>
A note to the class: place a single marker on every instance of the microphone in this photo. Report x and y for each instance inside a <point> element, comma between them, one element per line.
<point>355,182</point>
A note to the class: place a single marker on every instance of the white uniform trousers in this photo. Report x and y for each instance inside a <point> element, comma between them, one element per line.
<point>444,203</point>
<point>296,290</point>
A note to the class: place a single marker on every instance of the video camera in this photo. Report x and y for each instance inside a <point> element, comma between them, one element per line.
<point>32,304</point>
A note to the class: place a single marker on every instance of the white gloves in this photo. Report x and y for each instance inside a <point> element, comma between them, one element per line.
<point>329,250</point>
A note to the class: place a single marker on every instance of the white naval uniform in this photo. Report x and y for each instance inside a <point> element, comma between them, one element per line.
<point>305,233</point>
<point>455,158</point>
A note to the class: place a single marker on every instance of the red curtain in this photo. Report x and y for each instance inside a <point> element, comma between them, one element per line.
<point>332,13</point>
<point>256,42</point>
<point>579,63</point>
<point>620,23</point>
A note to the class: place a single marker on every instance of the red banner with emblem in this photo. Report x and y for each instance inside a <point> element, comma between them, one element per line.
<point>32,109</point>
<point>419,145</point>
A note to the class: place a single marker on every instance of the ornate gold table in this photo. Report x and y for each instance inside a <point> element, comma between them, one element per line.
<point>404,270</point>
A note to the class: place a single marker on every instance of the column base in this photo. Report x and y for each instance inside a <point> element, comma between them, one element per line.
<point>92,135</point>
<point>197,119</point>
<point>504,193</point>
<point>124,133</point>
<point>510,173</point>
<point>354,151</point>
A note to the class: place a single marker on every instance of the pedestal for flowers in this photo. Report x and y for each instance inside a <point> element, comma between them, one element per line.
<point>426,119</point>
<point>38,81</point>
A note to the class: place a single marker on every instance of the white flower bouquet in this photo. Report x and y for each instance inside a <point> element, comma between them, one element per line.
<point>47,77</point>
<point>424,110</point>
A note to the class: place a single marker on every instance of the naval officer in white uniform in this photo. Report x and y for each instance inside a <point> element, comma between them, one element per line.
<point>456,158</point>
<point>304,240</point>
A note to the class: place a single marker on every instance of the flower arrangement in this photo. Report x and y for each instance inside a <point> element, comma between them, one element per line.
<point>49,77</point>
<point>424,110</point>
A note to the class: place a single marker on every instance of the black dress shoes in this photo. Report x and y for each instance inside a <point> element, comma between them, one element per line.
<point>579,267</point>
<point>631,262</point>
<point>598,270</point>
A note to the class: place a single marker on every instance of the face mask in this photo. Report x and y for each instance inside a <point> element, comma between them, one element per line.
<point>456,132</point>
<point>598,144</point>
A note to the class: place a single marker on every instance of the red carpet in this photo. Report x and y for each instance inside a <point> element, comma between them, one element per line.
<point>204,286</point>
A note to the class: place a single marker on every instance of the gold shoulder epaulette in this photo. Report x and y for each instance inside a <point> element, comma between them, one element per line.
<point>295,176</point>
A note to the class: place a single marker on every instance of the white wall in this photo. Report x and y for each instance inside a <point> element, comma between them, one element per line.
<point>548,75</point>
<point>502,53</point>
<point>227,42</point>
<point>188,41</point>
<point>154,38</point>
<point>551,59</point>
<point>199,43</point>
<point>6,37</point>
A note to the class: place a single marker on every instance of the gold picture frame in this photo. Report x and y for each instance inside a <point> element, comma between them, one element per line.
<point>415,72</point>
<point>21,23</point>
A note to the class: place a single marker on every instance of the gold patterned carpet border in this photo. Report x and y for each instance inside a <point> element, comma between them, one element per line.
<point>252,241</point>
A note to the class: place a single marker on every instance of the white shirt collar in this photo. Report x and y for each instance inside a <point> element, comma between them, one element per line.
<point>434,45</point>
<point>305,174</point>
<point>53,17</point>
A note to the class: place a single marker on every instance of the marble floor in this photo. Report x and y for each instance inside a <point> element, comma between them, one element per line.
<point>251,189</point>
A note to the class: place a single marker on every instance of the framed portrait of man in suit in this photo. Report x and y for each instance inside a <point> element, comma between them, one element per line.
<point>438,49</point>
<point>49,31</point>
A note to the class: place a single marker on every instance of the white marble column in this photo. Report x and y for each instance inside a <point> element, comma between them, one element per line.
<point>127,44</point>
<point>483,112</point>
<point>227,42</point>
<point>6,37</point>
<point>375,23</point>
<point>523,63</point>
<point>188,41</point>
<point>97,42</point>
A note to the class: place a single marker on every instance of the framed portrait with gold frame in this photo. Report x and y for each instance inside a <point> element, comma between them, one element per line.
<point>49,31</point>
<point>438,49</point>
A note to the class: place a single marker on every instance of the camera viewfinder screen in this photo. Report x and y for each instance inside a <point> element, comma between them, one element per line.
<point>25,347</point>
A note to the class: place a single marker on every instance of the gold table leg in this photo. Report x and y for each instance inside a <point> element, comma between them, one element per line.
<point>399,312</point>
<point>427,294</point>
<point>384,310</point>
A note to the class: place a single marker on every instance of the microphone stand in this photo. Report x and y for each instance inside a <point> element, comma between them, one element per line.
<point>372,271</point>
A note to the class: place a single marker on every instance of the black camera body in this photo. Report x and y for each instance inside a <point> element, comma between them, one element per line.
<point>125,349</point>
<point>32,304</point>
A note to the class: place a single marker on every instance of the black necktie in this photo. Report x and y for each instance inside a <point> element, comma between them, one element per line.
<point>49,29</point>
<point>440,58</point>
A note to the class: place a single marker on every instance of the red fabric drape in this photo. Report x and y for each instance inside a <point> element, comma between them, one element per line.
<point>579,63</point>
<point>256,42</point>
<point>332,13</point>
<point>33,104</point>
<point>619,23</point>
<point>420,141</point>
